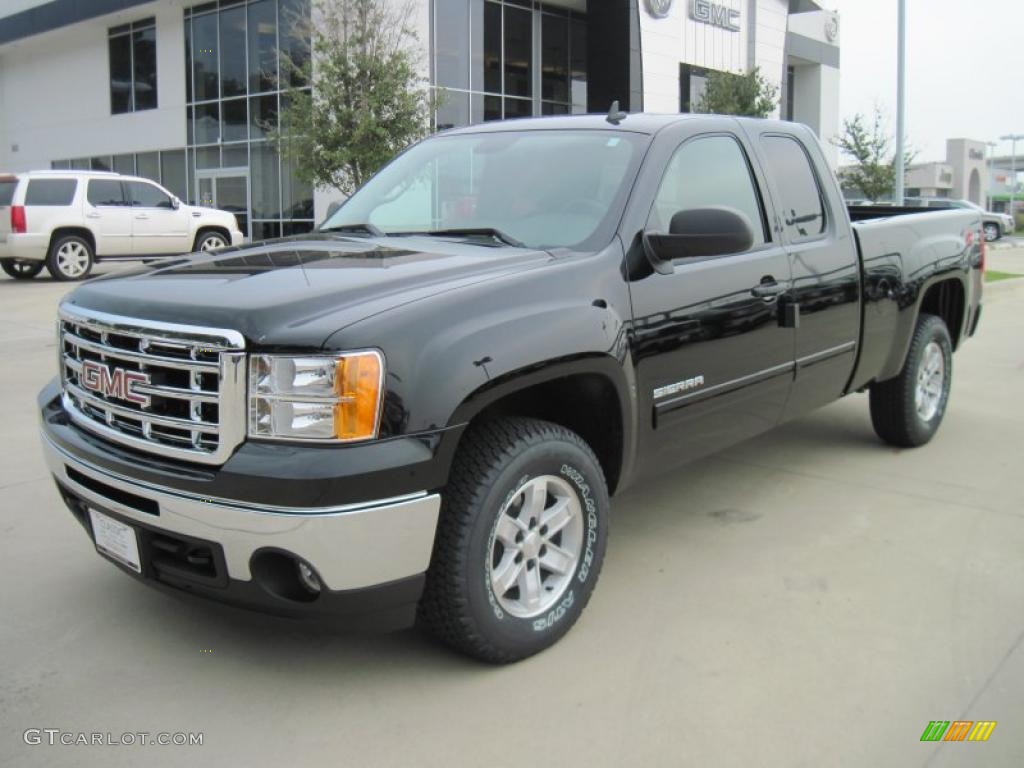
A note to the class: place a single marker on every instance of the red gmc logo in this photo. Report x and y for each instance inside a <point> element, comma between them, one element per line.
<point>114,382</point>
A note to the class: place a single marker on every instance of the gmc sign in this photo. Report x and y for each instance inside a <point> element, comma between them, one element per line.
<point>714,14</point>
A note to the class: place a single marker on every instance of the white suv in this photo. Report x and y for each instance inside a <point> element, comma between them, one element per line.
<point>68,220</point>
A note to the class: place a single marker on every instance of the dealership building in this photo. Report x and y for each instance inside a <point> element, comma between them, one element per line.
<point>182,92</point>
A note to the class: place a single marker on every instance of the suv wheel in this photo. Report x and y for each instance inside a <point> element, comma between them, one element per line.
<point>906,411</point>
<point>210,241</point>
<point>992,232</point>
<point>70,258</point>
<point>21,270</point>
<point>520,540</point>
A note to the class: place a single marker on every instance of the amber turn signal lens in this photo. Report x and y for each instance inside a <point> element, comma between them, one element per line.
<point>357,383</point>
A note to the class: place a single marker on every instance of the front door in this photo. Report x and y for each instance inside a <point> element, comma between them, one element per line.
<point>714,363</point>
<point>159,225</point>
<point>226,189</point>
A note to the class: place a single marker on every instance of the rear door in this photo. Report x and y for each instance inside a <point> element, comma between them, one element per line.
<point>713,363</point>
<point>109,215</point>
<point>157,226</point>
<point>823,261</point>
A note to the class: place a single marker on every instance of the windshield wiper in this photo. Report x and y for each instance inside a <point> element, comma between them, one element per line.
<point>491,232</point>
<point>369,229</point>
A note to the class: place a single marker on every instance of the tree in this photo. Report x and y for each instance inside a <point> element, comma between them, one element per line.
<point>874,160</point>
<point>730,94</point>
<point>367,101</point>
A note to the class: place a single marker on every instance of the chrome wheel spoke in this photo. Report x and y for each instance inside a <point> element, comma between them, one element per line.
<point>529,587</point>
<point>534,498</point>
<point>507,531</point>
<point>556,517</point>
<point>556,559</point>
<point>505,576</point>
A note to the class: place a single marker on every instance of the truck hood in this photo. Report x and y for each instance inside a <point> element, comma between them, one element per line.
<point>298,291</point>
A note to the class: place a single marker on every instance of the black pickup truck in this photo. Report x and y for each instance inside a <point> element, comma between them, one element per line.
<point>419,411</point>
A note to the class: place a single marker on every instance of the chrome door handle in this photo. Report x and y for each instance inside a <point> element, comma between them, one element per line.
<point>141,216</point>
<point>767,291</point>
<point>92,215</point>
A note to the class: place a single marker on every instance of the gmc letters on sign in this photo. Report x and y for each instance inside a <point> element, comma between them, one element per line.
<point>717,15</point>
<point>117,383</point>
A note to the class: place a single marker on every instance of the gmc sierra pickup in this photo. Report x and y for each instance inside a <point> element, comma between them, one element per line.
<point>419,412</point>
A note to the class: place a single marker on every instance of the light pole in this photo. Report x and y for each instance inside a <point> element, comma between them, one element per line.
<point>988,181</point>
<point>1013,138</point>
<point>901,97</point>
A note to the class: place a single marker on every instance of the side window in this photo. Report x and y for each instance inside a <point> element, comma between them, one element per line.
<point>147,196</point>
<point>801,206</point>
<point>50,191</point>
<point>105,192</point>
<point>708,171</point>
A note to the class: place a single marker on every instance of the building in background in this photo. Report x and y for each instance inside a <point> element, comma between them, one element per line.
<point>182,92</point>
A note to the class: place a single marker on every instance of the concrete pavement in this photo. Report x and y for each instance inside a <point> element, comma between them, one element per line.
<point>808,598</point>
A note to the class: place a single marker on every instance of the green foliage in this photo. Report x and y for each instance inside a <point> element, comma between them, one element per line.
<point>874,160</point>
<point>368,101</point>
<point>750,95</point>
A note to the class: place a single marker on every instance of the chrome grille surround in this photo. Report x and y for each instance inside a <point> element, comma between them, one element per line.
<point>197,387</point>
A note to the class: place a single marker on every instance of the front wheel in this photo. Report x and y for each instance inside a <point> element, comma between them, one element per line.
<point>907,410</point>
<point>520,540</point>
<point>992,232</point>
<point>71,258</point>
<point>210,241</point>
<point>20,269</point>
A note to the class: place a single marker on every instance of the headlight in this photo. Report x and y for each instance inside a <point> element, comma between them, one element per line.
<point>335,398</point>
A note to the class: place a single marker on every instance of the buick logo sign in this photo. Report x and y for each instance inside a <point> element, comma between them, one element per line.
<point>117,383</point>
<point>659,8</point>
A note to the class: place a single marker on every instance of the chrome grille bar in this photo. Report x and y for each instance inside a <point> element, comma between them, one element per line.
<point>188,383</point>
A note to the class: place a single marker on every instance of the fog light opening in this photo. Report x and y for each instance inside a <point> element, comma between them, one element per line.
<point>309,578</point>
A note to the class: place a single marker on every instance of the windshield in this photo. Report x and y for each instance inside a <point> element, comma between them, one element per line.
<point>542,189</point>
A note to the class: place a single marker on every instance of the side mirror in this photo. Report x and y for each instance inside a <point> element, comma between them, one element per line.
<point>175,202</point>
<point>699,233</point>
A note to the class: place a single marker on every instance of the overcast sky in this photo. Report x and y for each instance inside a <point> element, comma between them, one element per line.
<point>965,68</point>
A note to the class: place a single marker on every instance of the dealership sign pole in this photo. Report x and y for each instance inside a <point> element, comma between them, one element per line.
<point>901,97</point>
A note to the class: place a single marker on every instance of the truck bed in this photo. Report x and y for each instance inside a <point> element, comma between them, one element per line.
<point>900,248</point>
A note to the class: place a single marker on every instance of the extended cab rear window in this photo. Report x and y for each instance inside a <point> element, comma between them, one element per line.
<point>7,191</point>
<point>50,191</point>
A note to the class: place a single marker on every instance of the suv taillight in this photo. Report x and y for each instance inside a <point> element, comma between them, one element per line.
<point>18,219</point>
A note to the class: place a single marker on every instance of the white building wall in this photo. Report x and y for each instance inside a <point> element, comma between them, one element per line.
<point>677,39</point>
<point>55,99</point>
<point>770,42</point>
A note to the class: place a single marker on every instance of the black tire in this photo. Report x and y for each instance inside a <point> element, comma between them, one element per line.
<point>894,407</point>
<point>992,232</point>
<point>20,269</point>
<point>459,605</point>
<point>70,258</point>
<point>211,238</point>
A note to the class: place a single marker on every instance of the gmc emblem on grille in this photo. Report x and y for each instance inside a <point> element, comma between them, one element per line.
<point>114,382</point>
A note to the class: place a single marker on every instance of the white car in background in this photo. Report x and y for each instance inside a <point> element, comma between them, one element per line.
<point>69,220</point>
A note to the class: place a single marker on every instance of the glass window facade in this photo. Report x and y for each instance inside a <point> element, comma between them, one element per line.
<point>495,59</point>
<point>234,54</point>
<point>166,167</point>
<point>132,54</point>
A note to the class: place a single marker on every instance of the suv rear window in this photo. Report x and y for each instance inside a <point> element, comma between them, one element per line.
<point>7,191</point>
<point>50,191</point>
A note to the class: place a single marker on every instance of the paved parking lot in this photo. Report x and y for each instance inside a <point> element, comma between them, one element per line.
<point>808,598</point>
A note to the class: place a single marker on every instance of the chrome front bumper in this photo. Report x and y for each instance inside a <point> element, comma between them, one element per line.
<point>350,547</point>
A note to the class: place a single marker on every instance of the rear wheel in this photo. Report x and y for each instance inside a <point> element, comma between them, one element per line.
<point>907,410</point>
<point>520,541</point>
<point>70,258</point>
<point>20,269</point>
<point>992,232</point>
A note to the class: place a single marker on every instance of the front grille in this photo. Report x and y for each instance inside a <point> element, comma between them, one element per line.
<point>176,391</point>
